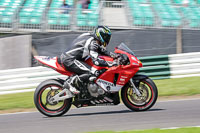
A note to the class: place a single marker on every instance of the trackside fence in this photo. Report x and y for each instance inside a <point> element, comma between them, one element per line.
<point>171,66</point>
<point>25,79</point>
<point>157,67</point>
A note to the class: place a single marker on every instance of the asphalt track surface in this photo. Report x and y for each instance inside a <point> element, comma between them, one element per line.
<point>162,115</point>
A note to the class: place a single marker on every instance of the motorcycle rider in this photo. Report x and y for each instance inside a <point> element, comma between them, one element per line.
<point>85,46</point>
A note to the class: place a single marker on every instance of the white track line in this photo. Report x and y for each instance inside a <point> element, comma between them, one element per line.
<point>178,100</point>
<point>177,127</point>
<point>18,113</point>
<point>160,128</point>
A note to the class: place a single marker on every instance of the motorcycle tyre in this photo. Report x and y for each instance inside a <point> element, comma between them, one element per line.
<point>140,108</point>
<point>36,101</point>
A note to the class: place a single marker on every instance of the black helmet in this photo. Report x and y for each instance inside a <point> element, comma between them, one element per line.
<point>103,34</point>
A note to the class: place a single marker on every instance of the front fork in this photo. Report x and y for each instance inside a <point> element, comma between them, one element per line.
<point>134,88</point>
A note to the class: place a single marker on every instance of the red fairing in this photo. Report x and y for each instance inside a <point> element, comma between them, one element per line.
<point>53,63</point>
<point>125,72</point>
<point>62,70</point>
<point>134,62</point>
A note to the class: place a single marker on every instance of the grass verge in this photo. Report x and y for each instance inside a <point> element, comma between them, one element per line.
<point>17,101</point>
<point>168,87</point>
<point>181,86</point>
<point>179,130</point>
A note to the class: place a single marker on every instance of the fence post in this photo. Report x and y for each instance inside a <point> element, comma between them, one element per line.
<point>178,41</point>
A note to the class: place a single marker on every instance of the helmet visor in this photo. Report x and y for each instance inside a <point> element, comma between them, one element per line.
<point>107,38</point>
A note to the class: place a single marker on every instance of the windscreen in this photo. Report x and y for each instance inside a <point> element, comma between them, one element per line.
<point>123,47</point>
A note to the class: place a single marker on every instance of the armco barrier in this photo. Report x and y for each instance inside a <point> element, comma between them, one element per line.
<point>184,65</point>
<point>156,67</point>
<point>25,79</point>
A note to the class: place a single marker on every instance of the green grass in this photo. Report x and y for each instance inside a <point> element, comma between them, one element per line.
<point>167,87</point>
<point>16,101</point>
<point>182,86</point>
<point>180,130</point>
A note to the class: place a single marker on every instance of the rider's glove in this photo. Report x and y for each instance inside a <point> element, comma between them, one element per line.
<point>114,63</point>
<point>113,55</point>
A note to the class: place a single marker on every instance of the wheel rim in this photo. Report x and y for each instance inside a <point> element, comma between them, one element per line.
<point>145,98</point>
<point>44,99</point>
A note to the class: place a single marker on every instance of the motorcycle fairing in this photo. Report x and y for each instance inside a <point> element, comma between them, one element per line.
<point>124,73</point>
<point>108,86</point>
<point>53,63</point>
<point>107,79</point>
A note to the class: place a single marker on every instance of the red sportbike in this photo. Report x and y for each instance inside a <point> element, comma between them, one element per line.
<point>138,92</point>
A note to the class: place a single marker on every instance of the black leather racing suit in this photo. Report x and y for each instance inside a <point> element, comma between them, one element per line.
<point>84,46</point>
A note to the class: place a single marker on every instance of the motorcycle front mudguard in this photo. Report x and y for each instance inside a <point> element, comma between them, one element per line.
<point>138,77</point>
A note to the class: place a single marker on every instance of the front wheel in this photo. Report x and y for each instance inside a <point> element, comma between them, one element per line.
<point>43,94</point>
<point>149,94</point>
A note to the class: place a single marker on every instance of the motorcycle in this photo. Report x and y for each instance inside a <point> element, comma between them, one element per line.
<point>138,92</point>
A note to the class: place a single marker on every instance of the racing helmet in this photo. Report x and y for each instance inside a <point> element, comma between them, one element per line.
<point>102,34</point>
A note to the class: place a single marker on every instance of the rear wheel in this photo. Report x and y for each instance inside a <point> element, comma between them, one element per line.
<point>147,99</point>
<point>44,92</point>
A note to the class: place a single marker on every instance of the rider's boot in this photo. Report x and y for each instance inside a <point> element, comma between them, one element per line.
<point>73,84</point>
